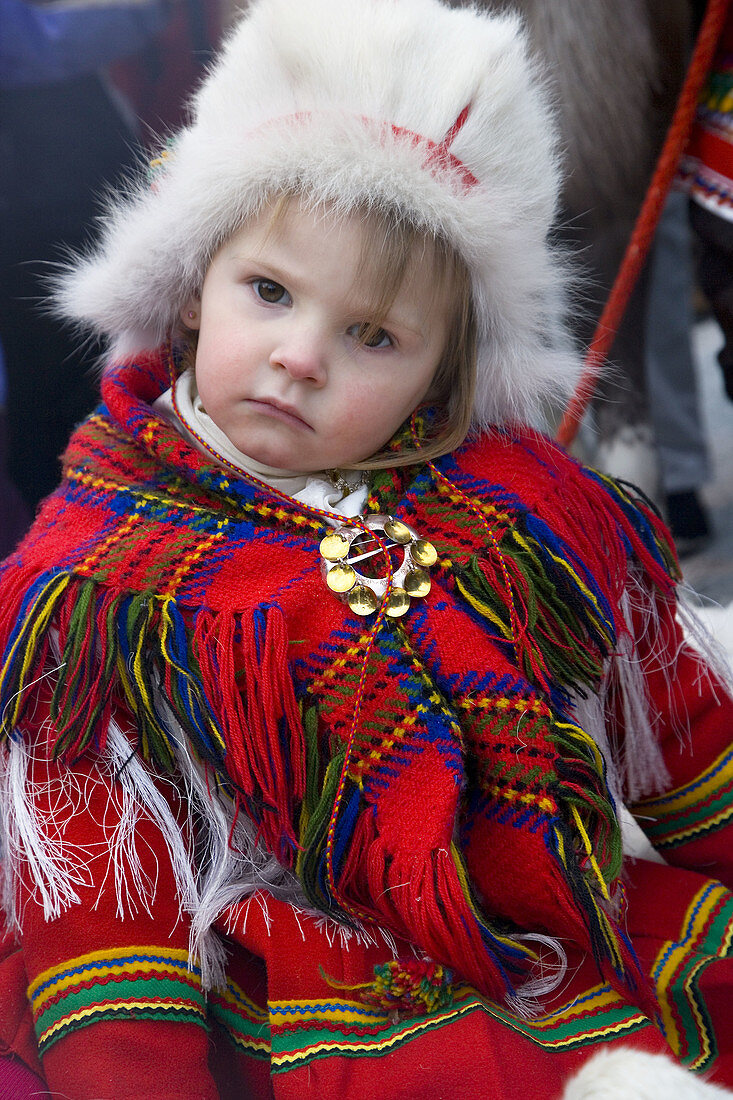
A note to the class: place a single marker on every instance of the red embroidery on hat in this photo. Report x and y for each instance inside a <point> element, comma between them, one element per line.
<point>439,159</point>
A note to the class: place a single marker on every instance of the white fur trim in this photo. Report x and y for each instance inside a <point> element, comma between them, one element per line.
<point>621,1073</point>
<point>305,96</point>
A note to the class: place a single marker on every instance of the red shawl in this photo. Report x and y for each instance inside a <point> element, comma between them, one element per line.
<point>426,773</point>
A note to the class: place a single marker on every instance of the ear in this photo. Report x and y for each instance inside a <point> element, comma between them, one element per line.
<point>190,313</point>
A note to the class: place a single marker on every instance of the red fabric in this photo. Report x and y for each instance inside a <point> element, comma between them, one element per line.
<point>476,1056</point>
<point>473,1057</point>
<point>96,586</point>
<point>131,1060</point>
<point>17,1036</point>
<point>89,1064</point>
<point>290,962</point>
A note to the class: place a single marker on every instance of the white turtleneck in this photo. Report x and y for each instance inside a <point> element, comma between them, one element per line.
<point>315,490</point>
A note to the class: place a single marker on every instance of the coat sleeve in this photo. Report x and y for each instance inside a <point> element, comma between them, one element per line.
<point>117,1010</point>
<point>690,822</point>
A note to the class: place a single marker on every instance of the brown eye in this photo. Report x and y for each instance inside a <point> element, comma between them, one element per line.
<point>271,292</point>
<point>370,336</point>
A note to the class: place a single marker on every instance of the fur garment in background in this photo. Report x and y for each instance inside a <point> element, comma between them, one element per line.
<point>627,1074</point>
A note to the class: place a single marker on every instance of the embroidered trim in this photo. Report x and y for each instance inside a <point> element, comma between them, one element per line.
<point>706,934</point>
<point>687,813</point>
<point>245,1023</point>
<point>141,983</point>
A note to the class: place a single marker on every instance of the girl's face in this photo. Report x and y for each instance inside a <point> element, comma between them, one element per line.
<point>280,368</point>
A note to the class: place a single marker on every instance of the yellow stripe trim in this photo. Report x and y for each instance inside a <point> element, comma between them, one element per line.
<point>95,1010</point>
<point>663,971</point>
<point>87,962</point>
<point>706,784</point>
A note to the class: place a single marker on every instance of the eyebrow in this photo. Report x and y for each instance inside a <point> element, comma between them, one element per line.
<point>402,323</point>
<point>252,258</point>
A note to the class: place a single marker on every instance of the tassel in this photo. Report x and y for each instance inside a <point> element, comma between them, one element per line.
<point>563,627</point>
<point>145,624</point>
<point>184,676</point>
<point>430,900</point>
<point>27,652</point>
<point>273,733</point>
<point>81,701</point>
<point>404,987</point>
<point>588,850</point>
<point>557,616</point>
<point>425,899</point>
<point>245,661</point>
<point>613,953</point>
<point>314,822</point>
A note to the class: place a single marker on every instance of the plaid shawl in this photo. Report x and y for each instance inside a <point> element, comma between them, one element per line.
<point>424,773</point>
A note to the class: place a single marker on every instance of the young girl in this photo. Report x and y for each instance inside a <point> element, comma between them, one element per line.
<point>327,686</point>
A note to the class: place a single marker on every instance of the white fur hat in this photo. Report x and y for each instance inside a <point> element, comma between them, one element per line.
<point>408,105</point>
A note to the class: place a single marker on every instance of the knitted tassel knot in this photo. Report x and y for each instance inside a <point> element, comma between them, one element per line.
<point>405,988</point>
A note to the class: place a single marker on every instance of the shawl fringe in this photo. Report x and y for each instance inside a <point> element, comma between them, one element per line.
<point>245,723</point>
<point>559,616</point>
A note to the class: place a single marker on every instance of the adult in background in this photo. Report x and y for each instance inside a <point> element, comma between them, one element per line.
<point>65,135</point>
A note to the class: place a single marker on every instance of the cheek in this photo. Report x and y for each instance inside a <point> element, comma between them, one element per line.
<point>211,378</point>
<point>387,399</point>
<point>409,393</point>
<point>369,419</point>
<point>218,361</point>
<point>212,344</point>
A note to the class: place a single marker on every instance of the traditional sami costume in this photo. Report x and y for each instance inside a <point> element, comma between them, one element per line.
<point>284,849</point>
<point>258,843</point>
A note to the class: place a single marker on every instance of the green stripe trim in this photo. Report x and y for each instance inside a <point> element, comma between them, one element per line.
<point>678,829</point>
<point>598,1014</point>
<point>245,1023</point>
<point>706,937</point>
<point>153,996</point>
<point>180,1014</point>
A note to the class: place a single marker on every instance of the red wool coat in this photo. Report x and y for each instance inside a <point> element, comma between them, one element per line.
<point>98,990</point>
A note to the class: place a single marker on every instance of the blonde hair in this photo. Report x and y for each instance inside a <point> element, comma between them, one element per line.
<point>391,245</point>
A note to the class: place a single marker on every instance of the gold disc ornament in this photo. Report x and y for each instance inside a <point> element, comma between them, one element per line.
<point>341,578</point>
<point>364,594</point>
<point>398,531</point>
<point>417,582</point>
<point>424,553</point>
<point>362,600</point>
<point>334,546</point>
<point>397,602</point>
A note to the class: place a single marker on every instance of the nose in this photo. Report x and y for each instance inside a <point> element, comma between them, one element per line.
<point>302,353</point>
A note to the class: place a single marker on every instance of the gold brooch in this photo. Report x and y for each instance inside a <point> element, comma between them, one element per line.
<point>363,594</point>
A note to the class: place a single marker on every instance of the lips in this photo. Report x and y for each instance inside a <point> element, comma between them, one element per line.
<point>278,410</point>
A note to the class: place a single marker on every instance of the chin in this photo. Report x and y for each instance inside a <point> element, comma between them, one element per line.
<point>278,458</point>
